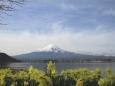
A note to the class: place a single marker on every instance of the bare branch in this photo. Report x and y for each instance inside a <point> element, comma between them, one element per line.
<point>5,13</point>
<point>9,5</point>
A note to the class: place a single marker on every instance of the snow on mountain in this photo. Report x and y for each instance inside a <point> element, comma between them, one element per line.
<point>52,48</point>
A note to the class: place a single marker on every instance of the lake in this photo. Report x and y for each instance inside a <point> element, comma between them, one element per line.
<point>63,66</point>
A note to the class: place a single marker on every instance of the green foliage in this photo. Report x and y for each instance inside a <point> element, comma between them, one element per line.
<point>77,77</point>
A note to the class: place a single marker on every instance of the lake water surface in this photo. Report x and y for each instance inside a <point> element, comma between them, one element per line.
<point>64,66</point>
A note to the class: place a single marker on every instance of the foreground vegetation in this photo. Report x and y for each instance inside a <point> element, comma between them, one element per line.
<point>77,77</point>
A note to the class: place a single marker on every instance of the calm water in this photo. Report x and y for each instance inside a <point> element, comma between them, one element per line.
<point>64,66</point>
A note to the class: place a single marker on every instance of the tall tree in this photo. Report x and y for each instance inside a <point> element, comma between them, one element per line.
<point>8,5</point>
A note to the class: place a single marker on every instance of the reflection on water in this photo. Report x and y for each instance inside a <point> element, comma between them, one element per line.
<point>63,66</point>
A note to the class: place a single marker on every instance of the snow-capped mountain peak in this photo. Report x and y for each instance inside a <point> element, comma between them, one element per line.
<point>51,47</point>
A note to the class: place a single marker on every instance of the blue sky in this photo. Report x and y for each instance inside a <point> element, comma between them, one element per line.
<point>73,25</point>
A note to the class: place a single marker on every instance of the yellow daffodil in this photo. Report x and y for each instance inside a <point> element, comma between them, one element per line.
<point>85,70</point>
<point>43,82</point>
<point>2,82</point>
<point>108,70</point>
<point>102,82</point>
<point>84,78</point>
<point>79,83</point>
<point>1,76</point>
<point>63,73</point>
<point>14,84</point>
<point>65,78</point>
<point>98,71</point>
<point>30,69</point>
<point>51,65</point>
<point>112,77</point>
<point>25,83</point>
<point>90,78</point>
<point>78,71</point>
<point>48,79</point>
<point>54,73</point>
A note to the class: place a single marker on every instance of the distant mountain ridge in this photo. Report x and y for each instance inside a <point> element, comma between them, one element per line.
<point>52,52</point>
<point>4,58</point>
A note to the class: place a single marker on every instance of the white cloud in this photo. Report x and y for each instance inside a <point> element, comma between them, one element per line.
<point>67,6</point>
<point>109,12</point>
<point>25,42</point>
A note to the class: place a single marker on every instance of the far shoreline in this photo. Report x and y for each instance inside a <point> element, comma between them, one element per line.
<point>70,61</point>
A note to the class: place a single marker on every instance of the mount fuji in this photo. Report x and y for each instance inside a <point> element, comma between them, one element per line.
<point>52,48</point>
<point>53,52</point>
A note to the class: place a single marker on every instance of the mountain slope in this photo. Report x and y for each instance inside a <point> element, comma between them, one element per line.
<point>4,58</point>
<point>58,56</point>
<point>52,52</point>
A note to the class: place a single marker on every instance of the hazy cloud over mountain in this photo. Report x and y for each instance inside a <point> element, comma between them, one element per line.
<point>76,25</point>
